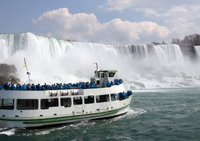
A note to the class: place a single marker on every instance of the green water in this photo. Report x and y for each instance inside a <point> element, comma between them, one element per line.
<point>161,114</point>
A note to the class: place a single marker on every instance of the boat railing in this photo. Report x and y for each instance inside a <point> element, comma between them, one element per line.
<point>59,86</point>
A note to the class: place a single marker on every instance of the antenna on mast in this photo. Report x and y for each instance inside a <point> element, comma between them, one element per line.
<point>28,73</point>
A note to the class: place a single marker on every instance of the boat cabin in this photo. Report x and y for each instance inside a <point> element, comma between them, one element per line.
<point>103,76</point>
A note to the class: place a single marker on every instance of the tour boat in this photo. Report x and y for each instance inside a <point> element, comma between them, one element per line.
<point>103,97</point>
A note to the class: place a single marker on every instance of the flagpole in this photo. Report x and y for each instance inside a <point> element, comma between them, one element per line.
<point>27,70</point>
<point>96,66</point>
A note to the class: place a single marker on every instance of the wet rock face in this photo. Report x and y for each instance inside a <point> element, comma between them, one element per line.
<point>8,74</point>
<point>4,68</point>
<point>14,80</point>
<point>4,78</point>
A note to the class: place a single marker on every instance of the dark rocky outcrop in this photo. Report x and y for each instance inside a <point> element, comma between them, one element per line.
<point>14,80</point>
<point>8,74</point>
<point>187,44</point>
<point>4,77</point>
<point>4,68</point>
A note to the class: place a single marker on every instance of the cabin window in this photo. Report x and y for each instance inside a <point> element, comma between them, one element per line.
<point>27,104</point>
<point>98,75</point>
<point>102,98</point>
<point>77,100</point>
<point>51,102</point>
<point>111,74</point>
<point>7,104</point>
<point>114,97</point>
<point>66,102</point>
<point>88,99</point>
<point>102,75</point>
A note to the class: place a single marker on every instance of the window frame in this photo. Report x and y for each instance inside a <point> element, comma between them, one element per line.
<point>114,98</point>
<point>101,98</point>
<point>27,104</point>
<point>62,102</point>
<point>5,106</point>
<point>111,74</point>
<point>78,101</point>
<point>88,99</point>
<point>53,103</point>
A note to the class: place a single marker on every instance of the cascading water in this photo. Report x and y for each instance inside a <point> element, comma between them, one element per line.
<point>51,60</point>
<point>197,51</point>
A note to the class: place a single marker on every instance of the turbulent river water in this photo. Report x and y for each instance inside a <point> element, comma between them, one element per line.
<point>155,114</point>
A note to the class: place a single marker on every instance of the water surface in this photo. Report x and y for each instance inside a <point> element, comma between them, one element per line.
<point>159,114</point>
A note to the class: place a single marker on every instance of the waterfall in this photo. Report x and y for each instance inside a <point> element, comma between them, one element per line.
<point>50,59</point>
<point>169,53</point>
<point>197,51</point>
<point>50,47</point>
<point>42,46</point>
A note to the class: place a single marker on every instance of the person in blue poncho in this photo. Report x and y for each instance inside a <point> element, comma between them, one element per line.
<point>1,87</point>
<point>120,81</point>
<point>6,86</point>
<point>33,87</point>
<point>108,84</point>
<point>20,87</point>
<point>38,87</point>
<point>12,87</point>
<point>87,85</point>
<point>24,87</point>
<point>29,87</point>
<point>17,86</point>
<point>111,83</point>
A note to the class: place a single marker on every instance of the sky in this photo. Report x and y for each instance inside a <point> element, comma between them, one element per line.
<point>102,21</point>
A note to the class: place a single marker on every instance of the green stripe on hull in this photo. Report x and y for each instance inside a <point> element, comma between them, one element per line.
<point>72,118</point>
<point>64,118</point>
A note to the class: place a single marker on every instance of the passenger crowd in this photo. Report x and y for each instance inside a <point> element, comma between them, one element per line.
<point>57,86</point>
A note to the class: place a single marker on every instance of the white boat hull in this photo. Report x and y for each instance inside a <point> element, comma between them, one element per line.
<point>39,122</point>
<point>60,114</point>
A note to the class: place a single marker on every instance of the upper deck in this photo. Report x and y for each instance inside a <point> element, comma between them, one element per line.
<point>101,79</point>
<point>60,92</point>
<point>102,83</point>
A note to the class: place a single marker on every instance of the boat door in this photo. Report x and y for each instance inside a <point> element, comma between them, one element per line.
<point>103,101</point>
<point>103,106</point>
<point>78,104</point>
<point>89,105</point>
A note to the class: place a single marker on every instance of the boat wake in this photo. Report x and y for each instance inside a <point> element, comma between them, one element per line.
<point>47,131</point>
<point>133,112</point>
<point>82,123</point>
<point>86,125</point>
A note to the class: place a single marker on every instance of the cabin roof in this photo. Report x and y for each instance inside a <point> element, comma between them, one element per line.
<point>107,71</point>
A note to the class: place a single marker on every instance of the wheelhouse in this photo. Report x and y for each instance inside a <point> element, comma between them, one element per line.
<point>103,76</point>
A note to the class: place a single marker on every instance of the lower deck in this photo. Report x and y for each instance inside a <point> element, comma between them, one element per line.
<point>36,108</point>
<point>54,106</point>
<point>61,114</point>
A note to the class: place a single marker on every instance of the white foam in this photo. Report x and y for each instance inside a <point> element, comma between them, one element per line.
<point>47,131</point>
<point>130,114</point>
<point>82,123</point>
<point>8,132</point>
<point>43,132</point>
<point>120,138</point>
